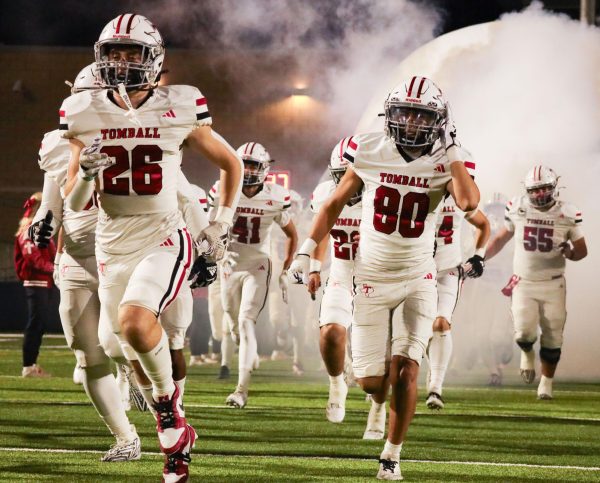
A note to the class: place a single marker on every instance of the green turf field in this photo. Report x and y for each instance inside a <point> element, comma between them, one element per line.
<point>49,432</point>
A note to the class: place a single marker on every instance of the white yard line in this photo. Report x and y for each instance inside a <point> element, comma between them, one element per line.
<point>470,463</point>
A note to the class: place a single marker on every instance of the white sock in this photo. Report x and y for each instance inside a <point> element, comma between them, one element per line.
<point>391,451</point>
<point>147,394</point>
<point>248,345</point>
<point>336,381</point>
<point>227,349</point>
<point>158,367</point>
<point>104,393</point>
<point>123,382</point>
<point>527,360</point>
<point>181,385</point>
<point>545,386</point>
<point>243,380</point>
<point>440,351</point>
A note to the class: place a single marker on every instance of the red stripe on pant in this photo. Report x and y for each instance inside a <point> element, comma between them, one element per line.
<point>187,248</point>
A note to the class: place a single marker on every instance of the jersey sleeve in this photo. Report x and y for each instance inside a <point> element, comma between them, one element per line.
<point>350,152</point>
<point>71,114</point>
<point>320,195</point>
<point>203,117</point>
<point>284,216</point>
<point>509,214</point>
<point>53,156</point>
<point>574,218</point>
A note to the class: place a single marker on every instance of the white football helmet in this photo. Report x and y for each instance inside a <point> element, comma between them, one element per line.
<point>86,79</point>
<point>414,113</point>
<point>540,184</point>
<point>257,161</point>
<point>141,66</point>
<point>338,166</point>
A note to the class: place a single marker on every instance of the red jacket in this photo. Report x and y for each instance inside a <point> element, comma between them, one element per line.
<point>34,266</point>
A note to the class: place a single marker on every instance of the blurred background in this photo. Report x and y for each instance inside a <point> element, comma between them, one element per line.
<point>297,76</point>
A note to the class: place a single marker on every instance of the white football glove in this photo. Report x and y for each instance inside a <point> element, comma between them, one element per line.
<point>92,161</point>
<point>56,271</point>
<point>217,238</point>
<point>283,285</point>
<point>298,271</point>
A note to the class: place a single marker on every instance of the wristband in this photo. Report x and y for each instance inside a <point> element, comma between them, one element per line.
<point>307,247</point>
<point>315,266</point>
<point>225,215</point>
<point>480,252</point>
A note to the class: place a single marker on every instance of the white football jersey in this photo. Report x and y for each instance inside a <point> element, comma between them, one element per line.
<point>343,246</point>
<point>79,227</point>
<point>399,205</point>
<point>448,253</point>
<point>138,194</point>
<point>253,220</point>
<point>538,235</point>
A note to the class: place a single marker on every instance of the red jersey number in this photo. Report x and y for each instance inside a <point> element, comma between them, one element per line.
<point>446,229</point>
<point>408,219</point>
<point>245,226</point>
<point>344,246</point>
<point>536,238</point>
<point>145,177</point>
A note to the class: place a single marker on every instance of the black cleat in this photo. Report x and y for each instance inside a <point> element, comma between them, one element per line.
<point>224,373</point>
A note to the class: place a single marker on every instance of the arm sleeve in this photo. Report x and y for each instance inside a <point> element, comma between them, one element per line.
<point>51,201</point>
<point>80,195</point>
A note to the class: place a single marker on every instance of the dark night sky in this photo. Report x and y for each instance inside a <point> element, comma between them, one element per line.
<point>78,23</point>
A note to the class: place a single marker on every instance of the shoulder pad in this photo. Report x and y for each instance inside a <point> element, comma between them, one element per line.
<point>279,194</point>
<point>189,97</point>
<point>320,194</point>
<point>53,156</point>
<point>516,205</point>
<point>570,212</point>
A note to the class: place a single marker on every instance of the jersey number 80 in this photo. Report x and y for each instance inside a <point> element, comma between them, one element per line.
<point>389,215</point>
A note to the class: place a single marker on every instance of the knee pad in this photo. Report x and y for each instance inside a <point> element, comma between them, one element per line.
<point>551,356</point>
<point>525,345</point>
<point>98,372</point>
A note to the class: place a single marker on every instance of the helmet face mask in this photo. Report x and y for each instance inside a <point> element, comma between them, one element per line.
<point>130,51</point>
<point>540,185</point>
<point>255,171</point>
<point>414,113</point>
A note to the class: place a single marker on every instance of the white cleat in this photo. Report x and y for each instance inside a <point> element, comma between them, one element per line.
<point>389,470</point>
<point>528,375</point>
<point>375,422</point>
<point>237,399</point>
<point>123,450</point>
<point>78,375</point>
<point>434,401</point>
<point>336,405</point>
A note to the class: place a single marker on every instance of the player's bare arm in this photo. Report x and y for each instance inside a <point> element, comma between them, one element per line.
<point>497,243</point>
<point>291,243</point>
<point>203,141</point>
<point>462,187</point>
<point>474,265</point>
<point>323,222</point>
<point>575,251</point>
<point>318,256</point>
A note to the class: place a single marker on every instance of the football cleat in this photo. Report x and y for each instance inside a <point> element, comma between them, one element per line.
<point>237,399</point>
<point>124,450</point>
<point>375,422</point>
<point>78,374</point>
<point>336,405</point>
<point>34,371</point>
<point>528,375</point>
<point>171,425</point>
<point>495,379</point>
<point>389,470</point>
<point>297,369</point>
<point>434,401</point>
<point>224,373</point>
<point>176,469</point>
<point>136,399</point>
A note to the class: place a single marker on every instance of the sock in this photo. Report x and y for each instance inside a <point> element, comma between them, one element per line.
<point>147,393</point>
<point>181,385</point>
<point>527,360</point>
<point>123,383</point>
<point>336,381</point>
<point>227,349</point>
<point>101,387</point>
<point>248,345</point>
<point>391,451</point>
<point>545,386</point>
<point>158,367</point>
<point>440,351</point>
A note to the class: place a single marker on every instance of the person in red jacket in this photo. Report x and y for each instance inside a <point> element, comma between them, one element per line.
<point>34,266</point>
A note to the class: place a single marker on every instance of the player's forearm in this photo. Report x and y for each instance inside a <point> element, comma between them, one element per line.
<point>466,192</point>
<point>497,244</point>
<point>321,251</point>
<point>578,251</point>
<point>80,194</point>
<point>51,201</point>
<point>291,243</point>
<point>482,232</point>
<point>325,219</point>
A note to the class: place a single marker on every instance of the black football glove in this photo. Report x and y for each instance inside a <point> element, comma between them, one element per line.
<point>203,272</point>
<point>40,232</point>
<point>474,266</point>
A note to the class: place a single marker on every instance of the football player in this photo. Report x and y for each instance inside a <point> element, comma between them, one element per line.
<point>125,143</point>
<point>406,171</point>
<point>336,305</point>
<point>77,277</point>
<point>448,260</point>
<point>247,266</point>
<point>547,232</point>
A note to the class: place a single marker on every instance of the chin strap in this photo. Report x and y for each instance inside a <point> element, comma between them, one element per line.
<point>131,113</point>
